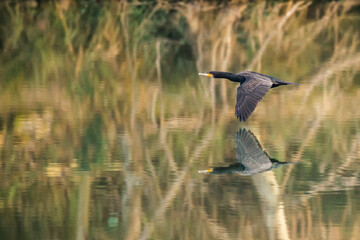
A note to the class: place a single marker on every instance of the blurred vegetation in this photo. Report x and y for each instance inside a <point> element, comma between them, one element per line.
<point>104,121</point>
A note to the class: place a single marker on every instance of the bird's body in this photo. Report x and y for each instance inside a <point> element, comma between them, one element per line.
<point>251,158</point>
<point>253,87</point>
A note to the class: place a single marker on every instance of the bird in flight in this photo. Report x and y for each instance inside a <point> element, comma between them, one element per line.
<point>250,156</point>
<point>253,87</point>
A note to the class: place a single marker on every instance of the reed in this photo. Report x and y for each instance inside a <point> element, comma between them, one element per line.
<point>101,96</point>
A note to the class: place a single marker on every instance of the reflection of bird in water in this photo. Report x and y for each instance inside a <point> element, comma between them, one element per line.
<point>250,156</point>
<point>253,87</point>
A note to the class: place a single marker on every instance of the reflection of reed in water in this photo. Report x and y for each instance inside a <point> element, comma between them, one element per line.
<point>324,52</point>
<point>251,157</point>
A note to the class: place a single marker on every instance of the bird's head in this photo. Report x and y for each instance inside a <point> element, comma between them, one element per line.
<point>207,171</point>
<point>217,74</point>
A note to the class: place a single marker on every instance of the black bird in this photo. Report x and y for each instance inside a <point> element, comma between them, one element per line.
<point>253,87</point>
<point>251,158</point>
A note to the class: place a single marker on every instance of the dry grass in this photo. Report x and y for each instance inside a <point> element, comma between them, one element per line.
<point>98,99</point>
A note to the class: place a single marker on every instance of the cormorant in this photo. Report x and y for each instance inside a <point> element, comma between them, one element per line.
<point>253,87</point>
<point>251,158</point>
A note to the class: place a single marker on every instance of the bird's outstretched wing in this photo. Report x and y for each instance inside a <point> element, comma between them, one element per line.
<point>248,95</point>
<point>250,154</point>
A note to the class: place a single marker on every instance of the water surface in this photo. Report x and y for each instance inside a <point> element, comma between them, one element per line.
<point>104,122</point>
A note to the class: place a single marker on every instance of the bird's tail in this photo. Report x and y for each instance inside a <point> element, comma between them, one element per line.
<point>280,83</point>
<point>288,83</point>
<point>285,163</point>
<point>278,163</point>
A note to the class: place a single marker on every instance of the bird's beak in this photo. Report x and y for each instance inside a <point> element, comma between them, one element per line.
<point>205,74</point>
<point>206,171</point>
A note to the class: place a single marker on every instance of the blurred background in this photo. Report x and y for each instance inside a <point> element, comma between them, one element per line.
<point>104,122</point>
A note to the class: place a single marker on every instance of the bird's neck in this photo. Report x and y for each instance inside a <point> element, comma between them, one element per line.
<point>230,76</point>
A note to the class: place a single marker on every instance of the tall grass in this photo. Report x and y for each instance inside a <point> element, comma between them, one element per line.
<point>103,117</point>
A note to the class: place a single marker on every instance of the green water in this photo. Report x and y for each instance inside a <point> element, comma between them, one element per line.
<point>105,123</point>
